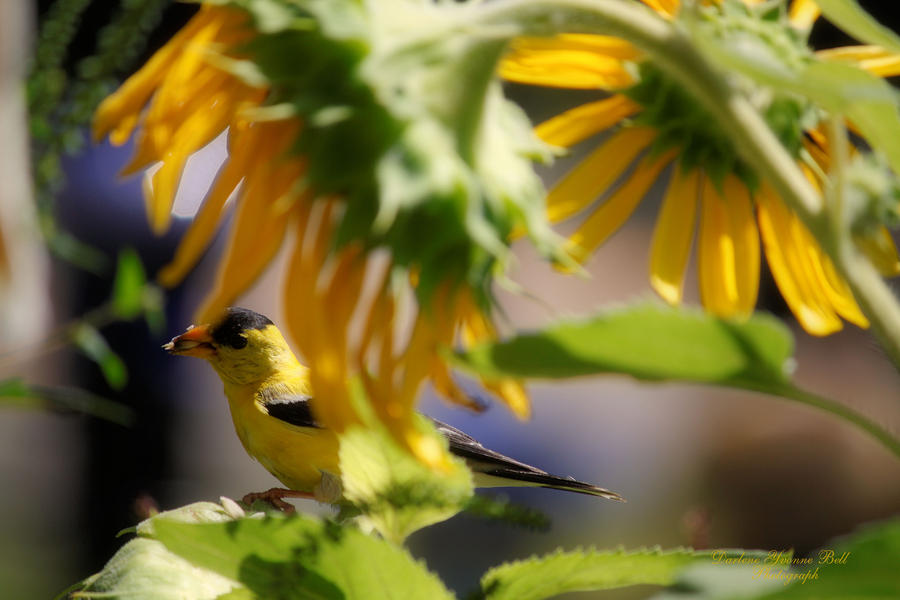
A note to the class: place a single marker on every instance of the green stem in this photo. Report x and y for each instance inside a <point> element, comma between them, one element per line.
<point>842,411</point>
<point>671,49</point>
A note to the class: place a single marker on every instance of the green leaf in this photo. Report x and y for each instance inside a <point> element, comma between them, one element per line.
<point>652,342</point>
<point>547,576</point>
<point>239,593</point>
<point>94,346</point>
<point>649,342</point>
<point>144,570</point>
<point>15,392</point>
<point>862,566</point>
<point>14,388</point>
<point>301,557</point>
<point>196,512</point>
<point>128,286</point>
<point>395,492</point>
<point>849,16</point>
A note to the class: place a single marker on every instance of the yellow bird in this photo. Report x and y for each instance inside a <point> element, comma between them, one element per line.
<point>269,394</point>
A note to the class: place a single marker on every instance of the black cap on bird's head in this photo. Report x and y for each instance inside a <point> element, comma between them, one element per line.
<point>242,346</point>
<point>202,340</point>
<point>228,331</point>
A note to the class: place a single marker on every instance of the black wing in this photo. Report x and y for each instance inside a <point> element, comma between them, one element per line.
<point>293,409</point>
<point>494,464</point>
<point>465,446</point>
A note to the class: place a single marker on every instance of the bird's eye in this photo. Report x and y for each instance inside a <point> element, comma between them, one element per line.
<point>238,342</point>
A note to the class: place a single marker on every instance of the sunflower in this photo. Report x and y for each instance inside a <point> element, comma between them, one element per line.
<point>202,83</point>
<point>654,125</point>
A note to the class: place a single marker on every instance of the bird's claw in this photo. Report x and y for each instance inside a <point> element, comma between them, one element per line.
<point>275,497</point>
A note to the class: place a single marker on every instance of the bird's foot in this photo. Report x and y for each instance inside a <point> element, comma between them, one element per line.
<point>275,497</point>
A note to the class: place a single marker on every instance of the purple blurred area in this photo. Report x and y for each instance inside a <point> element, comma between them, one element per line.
<point>699,465</point>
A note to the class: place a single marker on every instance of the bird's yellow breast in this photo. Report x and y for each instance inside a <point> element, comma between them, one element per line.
<point>297,456</point>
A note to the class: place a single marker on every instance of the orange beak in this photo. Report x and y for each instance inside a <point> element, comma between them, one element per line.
<point>196,341</point>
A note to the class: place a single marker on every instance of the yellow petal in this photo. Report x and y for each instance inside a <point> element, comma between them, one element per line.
<point>198,130</point>
<point>603,45</point>
<point>607,218</point>
<point>580,123</point>
<point>666,7</point>
<point>788,268</point>
<point>130,98</point>
<point>568,70</point>
<point>873,59</point>
<point>881,251</point>
<point>804,13</point>
<point>888,66</point>
<point>839,292</point>
<point>445,386</point>
<point>742,225</point>
<point>257,234</point>
<point>512,393</point>
<point>593,176</point>
<point>716,255</point>
<point>570,61</point>
<point>673,235</point>
<point>817,148</point>
<point>826,278</point>
<point>297,299</point>
<point>200,233</point>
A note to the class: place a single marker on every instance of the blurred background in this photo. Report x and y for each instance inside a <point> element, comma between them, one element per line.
<point>700,466</point>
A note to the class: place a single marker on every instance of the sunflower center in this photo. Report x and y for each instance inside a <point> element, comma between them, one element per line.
<point>683,124</point>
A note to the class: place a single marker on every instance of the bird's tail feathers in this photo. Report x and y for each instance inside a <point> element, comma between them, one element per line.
<point>555,482</point>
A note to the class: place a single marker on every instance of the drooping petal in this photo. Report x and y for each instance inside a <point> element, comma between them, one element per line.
<point>596,173</point>
<point>788,265</point>
<point>580,123</point>
<point>121,109</point>
<point>839,292</point>
<point>202,228</point>
<point>673,235</point>
<point>826,278</point>
<point>198,130</point>
<point>266,204</point>
<point>607,218</point>
<point>476,328</point>
<point>311,322</point>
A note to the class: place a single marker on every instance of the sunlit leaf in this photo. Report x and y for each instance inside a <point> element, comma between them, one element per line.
<point>144,570</point>
<point>659,343</point>
<point>397,493</point>
<point>650,342</point>
<point>301,557</point>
